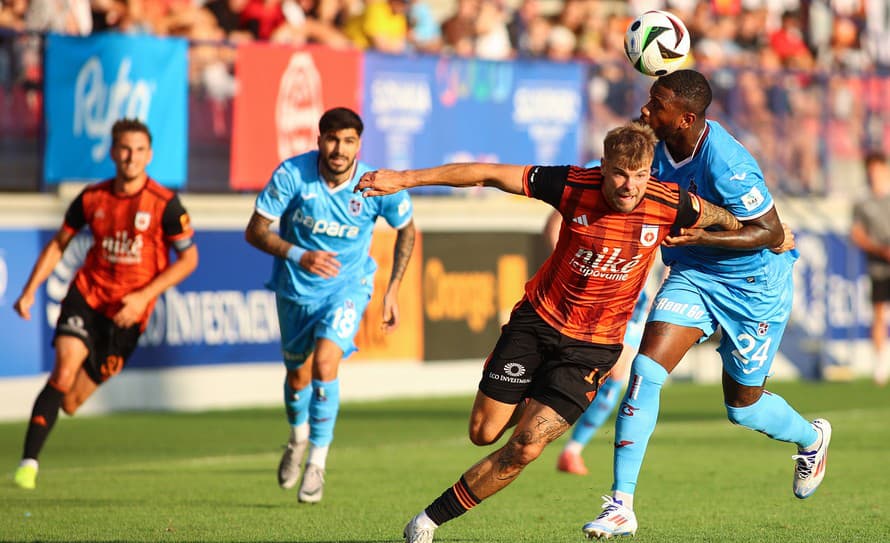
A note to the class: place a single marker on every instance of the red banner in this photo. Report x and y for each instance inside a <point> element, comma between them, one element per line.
<point>282,92</point>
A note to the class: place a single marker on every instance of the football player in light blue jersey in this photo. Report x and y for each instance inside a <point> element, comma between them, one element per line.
<point>322,276</point>
<point>732,280</point>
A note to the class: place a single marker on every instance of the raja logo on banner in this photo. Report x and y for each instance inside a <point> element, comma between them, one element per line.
<point>91,82</point>
<point>282,93</point>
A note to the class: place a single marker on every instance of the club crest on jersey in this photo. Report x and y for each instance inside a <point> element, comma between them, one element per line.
<point>143,219</point>
<point>649,235</point>
<point>355,207</point>
<point>762,328</point>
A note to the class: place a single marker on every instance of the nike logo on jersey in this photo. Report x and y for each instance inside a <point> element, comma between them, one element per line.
<point>308,195</point>
<point>623,443</point>
<point>581,219</point>
<point>739,176</point>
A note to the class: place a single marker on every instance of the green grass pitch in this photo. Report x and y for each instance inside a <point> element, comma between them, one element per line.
<point>211,477</point>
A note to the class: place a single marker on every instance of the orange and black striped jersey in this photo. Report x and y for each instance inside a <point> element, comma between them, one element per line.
<point>588,287</point>
<point>132,238</point>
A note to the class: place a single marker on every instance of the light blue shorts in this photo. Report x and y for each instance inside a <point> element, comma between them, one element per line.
<point>752,315</point>
<point>336,318</point>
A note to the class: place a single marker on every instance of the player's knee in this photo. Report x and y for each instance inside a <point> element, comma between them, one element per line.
<point>520,452</point>
<point>70,404</point>
<point>483,434</point>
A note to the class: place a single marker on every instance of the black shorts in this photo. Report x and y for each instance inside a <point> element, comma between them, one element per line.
<point>880,290</point>
<point>110,345</point>
<point>533,360</point>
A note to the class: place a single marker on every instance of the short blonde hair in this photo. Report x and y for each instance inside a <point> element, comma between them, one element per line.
<point>630,145</point>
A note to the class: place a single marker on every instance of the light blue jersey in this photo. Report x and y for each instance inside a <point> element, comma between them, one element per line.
<point>746,293</point>
<point>722,172</point>
<point>315,217</point>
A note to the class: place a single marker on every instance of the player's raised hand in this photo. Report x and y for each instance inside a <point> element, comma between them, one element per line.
<point>381,182</point>
<point>323,263</point>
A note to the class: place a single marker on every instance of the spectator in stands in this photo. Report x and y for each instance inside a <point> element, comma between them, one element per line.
<point>126,16</point>
<point>73,17</point>
<point>424,32</point>
<point>788,42</point>
<point>12,19</point>
<point>383,26</point>
<point>492,37</point>
<point>871,233</point>
<point>459,30</point>
<point>227,14</point>
<point>561,44</point>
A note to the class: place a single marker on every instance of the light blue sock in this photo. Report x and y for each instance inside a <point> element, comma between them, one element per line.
<point>772,416</point>
<point>598,411</point>
<point>296,403</point>
<point>636,420</point>
<point>323,411</point>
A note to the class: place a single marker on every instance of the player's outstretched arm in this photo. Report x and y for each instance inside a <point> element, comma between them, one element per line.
<point>49,257</point>
<point>402,250</point>
<point>505,177</point>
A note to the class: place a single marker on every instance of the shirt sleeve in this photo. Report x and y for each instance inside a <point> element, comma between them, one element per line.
<point>546,183</point>
<point>273,200</point>
<point>75,217</point>
<point>688,210</point>
<point>397,209</point>
<point>177,225</point>
<point>743,192</point>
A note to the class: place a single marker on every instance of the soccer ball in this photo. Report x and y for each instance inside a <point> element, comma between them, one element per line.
<point>656,43</point>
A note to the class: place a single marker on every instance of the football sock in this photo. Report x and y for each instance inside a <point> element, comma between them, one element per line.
<point>453,503</point>
<point>598,411</point>
<point>296,404</point>
<point>323,411</point>
<point>299,433</point>
<point>772,416</point>
<point>573,447</point>
<point>636,421</point>
<point>43,417</point>
<point>625,499</point>
<point>318,456</point>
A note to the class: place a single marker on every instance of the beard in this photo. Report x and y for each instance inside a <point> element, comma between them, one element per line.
<point>332,168</point>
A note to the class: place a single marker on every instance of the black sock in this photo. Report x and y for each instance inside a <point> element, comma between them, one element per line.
<point>43,417</point>
<point>454,502</point>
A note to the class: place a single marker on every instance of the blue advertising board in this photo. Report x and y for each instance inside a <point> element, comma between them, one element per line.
<point>21,339</point>
<point>831,287</point>
<point>521,112</point>
<point>93,81</point>
<point>220,314</point>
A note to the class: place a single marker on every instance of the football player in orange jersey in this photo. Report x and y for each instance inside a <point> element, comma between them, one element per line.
<point>134,222</point>
<point>564,336</point>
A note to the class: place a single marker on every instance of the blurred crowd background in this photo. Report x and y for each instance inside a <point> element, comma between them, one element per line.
<point>804,83</point>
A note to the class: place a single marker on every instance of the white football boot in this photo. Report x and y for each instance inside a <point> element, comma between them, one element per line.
<point>289,467</point>
<point>312,487</point>
<point>418,532</point>
<point>811,464</point>
<point>615,520</point>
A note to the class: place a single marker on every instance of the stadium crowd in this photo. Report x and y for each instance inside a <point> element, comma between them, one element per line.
<point>810,65</point>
